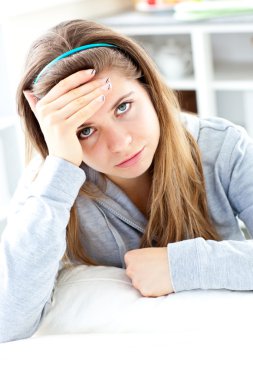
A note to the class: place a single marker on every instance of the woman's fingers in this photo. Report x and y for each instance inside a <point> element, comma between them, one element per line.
<point>49,116</point>
<point>67,84</point>
<point>82,102</point>
<point>78,118</point>
<point>78,92</point>
<point>65,108</point>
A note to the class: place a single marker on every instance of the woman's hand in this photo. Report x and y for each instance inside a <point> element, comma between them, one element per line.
<point>65,108</point>
<point>148,268</point>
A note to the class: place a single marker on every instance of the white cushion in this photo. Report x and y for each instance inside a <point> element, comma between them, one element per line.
<point>102,299</point>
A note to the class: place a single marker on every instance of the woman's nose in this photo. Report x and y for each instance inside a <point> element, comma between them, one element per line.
<point>118,140</point>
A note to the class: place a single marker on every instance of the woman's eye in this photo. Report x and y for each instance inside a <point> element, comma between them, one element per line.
<point>123,107</point>
<point>85,133</point>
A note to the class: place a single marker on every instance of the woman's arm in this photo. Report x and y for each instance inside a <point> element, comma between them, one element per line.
<point>33,244</point>
<point>206,264</point>
<point>35,237</point>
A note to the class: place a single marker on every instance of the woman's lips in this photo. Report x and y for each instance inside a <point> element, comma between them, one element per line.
<point>130,161</point>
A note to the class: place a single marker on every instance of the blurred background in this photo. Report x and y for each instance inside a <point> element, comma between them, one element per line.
<point>204,50</point>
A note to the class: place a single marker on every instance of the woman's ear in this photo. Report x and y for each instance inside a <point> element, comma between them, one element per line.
<point>31,98</point>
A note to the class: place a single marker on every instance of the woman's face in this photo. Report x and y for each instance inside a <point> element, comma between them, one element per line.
<point>120,140</point>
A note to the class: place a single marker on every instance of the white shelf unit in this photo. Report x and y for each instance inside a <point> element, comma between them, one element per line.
<point>222,55</point>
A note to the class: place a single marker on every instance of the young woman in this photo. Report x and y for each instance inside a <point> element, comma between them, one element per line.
<point>121,178</point>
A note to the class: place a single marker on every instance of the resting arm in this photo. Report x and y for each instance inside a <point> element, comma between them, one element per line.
<point>33,244</point>
<point>207,264</point>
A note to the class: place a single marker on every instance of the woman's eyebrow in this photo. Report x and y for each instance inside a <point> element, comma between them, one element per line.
<point>121,98</point>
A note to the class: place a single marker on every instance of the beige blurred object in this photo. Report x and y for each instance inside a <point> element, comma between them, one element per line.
<point>173,1</point>
<point>155,5</point>
<point>158,2</point>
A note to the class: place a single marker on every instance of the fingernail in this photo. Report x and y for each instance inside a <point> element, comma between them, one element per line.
<point>104,80</point>
<point>101,98</point>
<point>92,72</point>
<point>106,86</point>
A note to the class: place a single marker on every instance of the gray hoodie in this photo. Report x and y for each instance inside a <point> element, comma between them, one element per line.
<point>34,240</point>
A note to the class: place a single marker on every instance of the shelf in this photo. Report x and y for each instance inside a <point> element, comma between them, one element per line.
<point>182,84</point>
<point>144,23</point>
<point>236,77</point>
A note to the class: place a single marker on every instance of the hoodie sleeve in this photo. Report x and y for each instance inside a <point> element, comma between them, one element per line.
<point>33,244</point>
<point>206,264</point>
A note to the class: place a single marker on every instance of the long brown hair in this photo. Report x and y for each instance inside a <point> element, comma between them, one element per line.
<point>178,204</point>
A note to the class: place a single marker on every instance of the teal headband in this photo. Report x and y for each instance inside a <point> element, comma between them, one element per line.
<point>70,52</point>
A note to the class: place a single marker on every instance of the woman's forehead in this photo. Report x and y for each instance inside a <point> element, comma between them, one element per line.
<point>120,82</point>
<point>108,72</point>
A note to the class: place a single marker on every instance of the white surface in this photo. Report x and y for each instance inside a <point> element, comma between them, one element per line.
<point>5,195</point>
<point>15,7</point>
<point>248,105</point>
<point>11,161</point>
<point>102,300</point>
<point>192,335</point>
<point>184,356</point>
<point>7,122</point>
